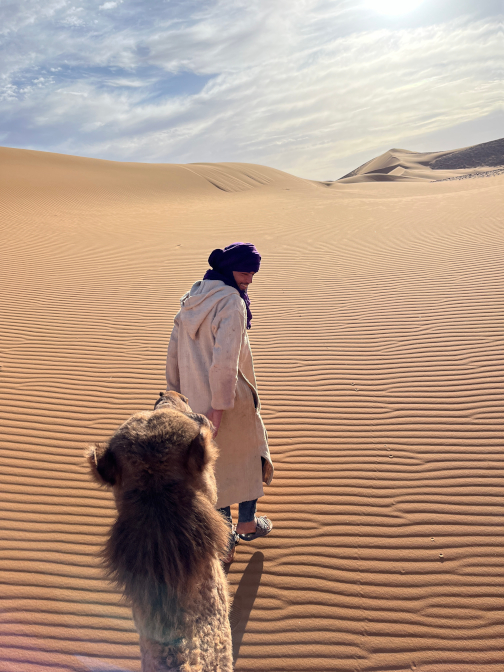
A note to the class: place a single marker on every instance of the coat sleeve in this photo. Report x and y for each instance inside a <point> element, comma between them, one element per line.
<point>228,327</point>
<point>172,367</point>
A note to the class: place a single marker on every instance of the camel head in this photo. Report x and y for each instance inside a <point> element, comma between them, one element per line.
<point>156,449</point>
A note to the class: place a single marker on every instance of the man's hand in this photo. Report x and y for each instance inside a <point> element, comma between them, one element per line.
<point>215,418</point>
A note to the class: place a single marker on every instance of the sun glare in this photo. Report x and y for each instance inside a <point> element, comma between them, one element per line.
<point>393,7</point>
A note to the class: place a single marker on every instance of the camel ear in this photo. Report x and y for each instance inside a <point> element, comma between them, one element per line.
<point>102,462</point>
<point>196,455</point>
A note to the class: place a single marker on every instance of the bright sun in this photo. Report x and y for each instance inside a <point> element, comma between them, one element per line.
<point>393,7</point>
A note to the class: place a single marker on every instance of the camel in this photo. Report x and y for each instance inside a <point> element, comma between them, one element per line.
<point>165,548</point>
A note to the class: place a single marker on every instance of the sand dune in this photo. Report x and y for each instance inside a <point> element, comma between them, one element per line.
<point>378,337</point>
<point>399,165</point>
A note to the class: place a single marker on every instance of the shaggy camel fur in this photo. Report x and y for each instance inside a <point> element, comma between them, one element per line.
<point>165,547</point>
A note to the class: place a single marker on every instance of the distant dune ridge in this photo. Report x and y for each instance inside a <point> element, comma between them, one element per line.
<point>27,174</point>
<point>400,164</point>
<point>378,335</point>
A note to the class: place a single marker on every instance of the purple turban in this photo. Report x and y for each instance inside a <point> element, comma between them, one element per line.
<point>241,257</point>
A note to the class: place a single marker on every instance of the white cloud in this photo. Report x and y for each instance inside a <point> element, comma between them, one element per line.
<point>109,5</point>
<point>74,17</point>
<point>393,7</point>
<point>295,85</point>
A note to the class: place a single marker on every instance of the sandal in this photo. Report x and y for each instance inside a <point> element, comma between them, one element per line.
<point>263,527</point>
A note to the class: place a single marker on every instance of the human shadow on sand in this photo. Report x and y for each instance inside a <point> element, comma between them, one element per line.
<point>244,600</point>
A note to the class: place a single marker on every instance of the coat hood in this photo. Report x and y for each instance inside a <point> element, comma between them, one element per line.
<point>200,300</point>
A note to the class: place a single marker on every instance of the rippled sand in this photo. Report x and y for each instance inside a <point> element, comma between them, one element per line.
<point>378,335</point>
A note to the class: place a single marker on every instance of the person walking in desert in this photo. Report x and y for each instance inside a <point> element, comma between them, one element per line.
<point>210,362</point>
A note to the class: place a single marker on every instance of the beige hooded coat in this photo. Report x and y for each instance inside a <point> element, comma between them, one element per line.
<point>210,362</point>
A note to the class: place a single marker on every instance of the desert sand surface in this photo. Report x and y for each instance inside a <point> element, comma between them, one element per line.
<point>398,165</point>
<point>378,335</point>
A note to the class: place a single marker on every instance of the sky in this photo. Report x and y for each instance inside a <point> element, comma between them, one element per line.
<point>312,87</point>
